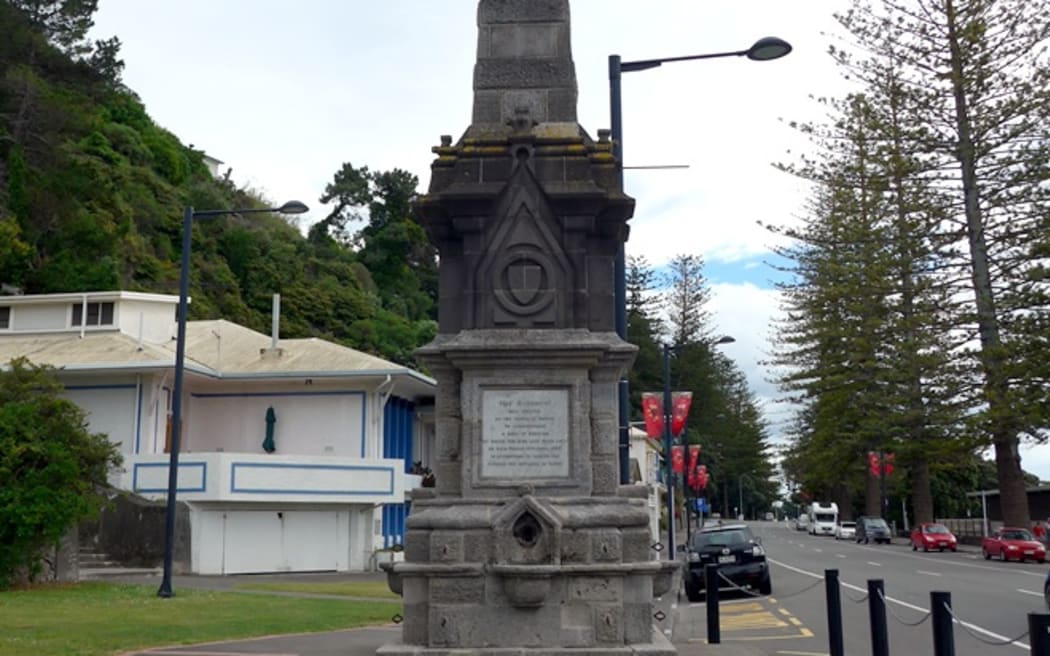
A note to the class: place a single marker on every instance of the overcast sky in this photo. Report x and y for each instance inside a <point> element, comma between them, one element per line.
<point>285,92</point>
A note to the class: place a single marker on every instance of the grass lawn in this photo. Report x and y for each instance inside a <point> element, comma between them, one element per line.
<point>373,589</point>
<point>100,619</point>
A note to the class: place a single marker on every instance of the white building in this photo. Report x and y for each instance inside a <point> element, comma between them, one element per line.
<point>348,426</point>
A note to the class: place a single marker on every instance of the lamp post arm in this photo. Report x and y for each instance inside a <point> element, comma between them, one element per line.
<point>644,64</point>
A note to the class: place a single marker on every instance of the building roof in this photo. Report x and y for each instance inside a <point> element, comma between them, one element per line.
<point>217,349</point>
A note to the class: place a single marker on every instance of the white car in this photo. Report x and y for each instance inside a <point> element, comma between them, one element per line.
<point>845,530</point>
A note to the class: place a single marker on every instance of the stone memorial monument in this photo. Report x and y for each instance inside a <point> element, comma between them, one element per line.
<point>527,544</point>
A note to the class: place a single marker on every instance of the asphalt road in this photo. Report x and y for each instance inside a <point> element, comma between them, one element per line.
<point>991,599</point>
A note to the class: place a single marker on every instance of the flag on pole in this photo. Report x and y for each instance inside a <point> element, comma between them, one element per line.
<point>653,413</point>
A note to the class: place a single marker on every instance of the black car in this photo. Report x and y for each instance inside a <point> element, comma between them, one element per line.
<point>737,552</point>
<point>872,529</point>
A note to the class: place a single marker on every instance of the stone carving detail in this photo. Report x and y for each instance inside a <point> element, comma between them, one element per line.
<point>525,270</point>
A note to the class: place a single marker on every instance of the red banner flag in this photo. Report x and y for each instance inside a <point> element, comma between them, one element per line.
<point>694,455</point>
<point>680,402</point>
<point>677,458</point>
<point>653,412</point>
<point>701,478</point>
<point>877,467</point>
<point>887,463</point>
<point>873,463</point>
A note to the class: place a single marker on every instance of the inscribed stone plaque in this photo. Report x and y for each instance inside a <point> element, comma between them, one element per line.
<point>525,433</point>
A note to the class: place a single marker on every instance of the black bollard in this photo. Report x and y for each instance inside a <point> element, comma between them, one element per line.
<point>943,640</point>
<point>880,643</point>
<point>1039,633</point>
<point>834,601</point>
<point>714,634</point>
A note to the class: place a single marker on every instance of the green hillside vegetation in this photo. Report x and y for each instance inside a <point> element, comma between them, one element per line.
<point>92,193</point>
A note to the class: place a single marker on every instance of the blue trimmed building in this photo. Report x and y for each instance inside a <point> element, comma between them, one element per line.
<point>296,454</point>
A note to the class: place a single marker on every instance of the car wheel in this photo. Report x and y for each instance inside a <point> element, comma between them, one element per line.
<point>954,549</point>
<point>692,592</point>
<point>987,556</point>
<point>914,548</point>
<point>766,587</point>
<point>1041,561</point>
<point>925,549</point>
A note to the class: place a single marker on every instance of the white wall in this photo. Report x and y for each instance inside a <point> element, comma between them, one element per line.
<point>308,423</point>
<point>271,539</point>
<point>157,320</point>
<point>40,317</point>
<point>111,409</point>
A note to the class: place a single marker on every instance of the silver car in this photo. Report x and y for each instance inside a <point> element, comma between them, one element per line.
<point>845,530</point>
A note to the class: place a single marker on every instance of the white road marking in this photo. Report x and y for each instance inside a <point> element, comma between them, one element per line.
<point>840,555</point>
<point>922,571</point>
<point>974,627</point>
<point>818,550</point>
<point>1037,594</point>
<point>874,564</point>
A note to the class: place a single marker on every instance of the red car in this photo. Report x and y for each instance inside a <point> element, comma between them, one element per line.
<point>932,536</point>
<point>1013,544</point>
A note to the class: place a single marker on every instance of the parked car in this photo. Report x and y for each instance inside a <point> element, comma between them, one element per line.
<point>737,552</point>
<point>1013,544</point>
<point>802,524</point>
<point>928,536</point>
<point>872,529</point>
<point>845,530</point>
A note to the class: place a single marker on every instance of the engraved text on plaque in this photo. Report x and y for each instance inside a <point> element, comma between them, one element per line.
<point>525,433</point>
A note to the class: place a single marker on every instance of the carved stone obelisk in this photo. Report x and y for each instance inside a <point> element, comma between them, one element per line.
<point>527,544</point>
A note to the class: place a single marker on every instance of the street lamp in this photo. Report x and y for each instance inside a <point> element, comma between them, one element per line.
<point>188,215</point>
<point>765,49</point>
<point>668,465</point>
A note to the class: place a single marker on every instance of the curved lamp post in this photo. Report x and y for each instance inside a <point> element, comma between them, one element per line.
<point>188,216</point>
<point>765,49</point>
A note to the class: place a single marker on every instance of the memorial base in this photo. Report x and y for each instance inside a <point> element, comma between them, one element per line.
<point>660,646</point>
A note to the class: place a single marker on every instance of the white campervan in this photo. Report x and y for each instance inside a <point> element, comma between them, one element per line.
<point>823,518</point>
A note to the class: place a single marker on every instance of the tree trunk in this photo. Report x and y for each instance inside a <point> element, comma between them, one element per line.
<point>921,498</point>
<point>872,495</point>
<point>1013,498</point>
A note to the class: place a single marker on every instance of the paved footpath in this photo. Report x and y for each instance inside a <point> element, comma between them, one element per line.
<point>350,642</point>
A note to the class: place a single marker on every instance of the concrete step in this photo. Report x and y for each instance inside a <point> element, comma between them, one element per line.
<point>96,573</point>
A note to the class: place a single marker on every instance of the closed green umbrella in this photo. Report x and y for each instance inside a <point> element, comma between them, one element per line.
<point>271,419</point>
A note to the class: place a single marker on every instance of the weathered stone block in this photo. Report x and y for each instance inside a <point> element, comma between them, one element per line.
<point>575,547</point>
<point>446,547</point>
<point>417,546</point>
<point>608,624</point>
<point>415,623</point>
<point>415,590</point>
<point>523,74</point>
<point>477,546</point>
<point>595,588</point>
<point>525,39</point>
<point>605,472</point>
<point>606,546</point>
<point>518,11</point>
<point>637,622</point>
<point>457,590</point>
<point>637,543</point>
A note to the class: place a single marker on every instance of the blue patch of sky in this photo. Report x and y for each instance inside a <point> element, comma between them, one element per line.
<point>763,271</point>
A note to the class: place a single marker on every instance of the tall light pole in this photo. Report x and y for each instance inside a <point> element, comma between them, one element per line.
<point>188,216</point>
<point>764,49</point>
<point>668,439</point>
